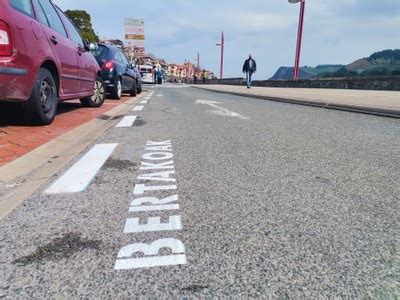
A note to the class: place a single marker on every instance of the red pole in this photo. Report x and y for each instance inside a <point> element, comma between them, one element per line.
<point>222,55</point>
<point>299,40</point>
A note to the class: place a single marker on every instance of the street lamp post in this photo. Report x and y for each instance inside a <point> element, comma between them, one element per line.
<point>198,60</point>
<point>222,44</point>
<point>299,37</point>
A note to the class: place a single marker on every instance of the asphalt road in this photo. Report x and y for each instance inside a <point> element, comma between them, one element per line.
<point>256,199</point>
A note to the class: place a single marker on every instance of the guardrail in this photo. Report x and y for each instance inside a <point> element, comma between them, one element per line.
<point>384,83</point>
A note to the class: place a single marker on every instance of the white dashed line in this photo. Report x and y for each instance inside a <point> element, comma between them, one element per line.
<point>138,108</point>
<point>79,176</point>
<point>127,121</point>
<point>144,102</point>
<point>159,95</point>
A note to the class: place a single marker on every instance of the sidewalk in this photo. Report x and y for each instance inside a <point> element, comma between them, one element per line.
<point>17,139</point>
<point>384,103</point>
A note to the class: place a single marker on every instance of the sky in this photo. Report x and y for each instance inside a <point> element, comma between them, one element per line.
<point>335,31</point>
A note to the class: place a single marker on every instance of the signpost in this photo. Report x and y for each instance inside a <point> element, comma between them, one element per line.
<point>134,36</point>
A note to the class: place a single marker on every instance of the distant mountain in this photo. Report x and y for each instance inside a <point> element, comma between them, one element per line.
<point>386,62</point>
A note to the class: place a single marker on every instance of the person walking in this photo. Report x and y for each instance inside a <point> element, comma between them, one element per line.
<point>204,76</point>
<point>249,67</point>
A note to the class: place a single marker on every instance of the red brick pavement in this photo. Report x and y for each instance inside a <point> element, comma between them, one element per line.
<point>17,140</point>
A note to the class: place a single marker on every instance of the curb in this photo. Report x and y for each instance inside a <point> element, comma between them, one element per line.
<point>22,177</point>
<point>382,112</point>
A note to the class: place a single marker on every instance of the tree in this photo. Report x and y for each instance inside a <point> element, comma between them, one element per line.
<point>83,22</point>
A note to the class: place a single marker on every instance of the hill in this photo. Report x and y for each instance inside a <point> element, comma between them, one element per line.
<point>382,63</point>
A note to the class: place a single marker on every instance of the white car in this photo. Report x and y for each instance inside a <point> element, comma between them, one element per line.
<point>147,74</point>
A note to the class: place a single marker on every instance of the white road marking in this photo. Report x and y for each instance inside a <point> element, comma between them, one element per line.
<point>150,253</point>
<point>132,225</point>
<point>221,111</point>
<point>144,102</point>
<point>159,95</point>
<point>138,108</point>
<point>126,262</point>
<point>79,176</point>
<point>127,121</point>
<point>141,188</point>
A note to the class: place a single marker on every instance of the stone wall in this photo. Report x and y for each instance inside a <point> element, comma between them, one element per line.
<point>387,83</point>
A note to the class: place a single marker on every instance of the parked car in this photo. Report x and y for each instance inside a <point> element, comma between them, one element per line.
<point>139,79</point>
<point>43,60</point>
<point>147,73</point>
<point>117,72</point>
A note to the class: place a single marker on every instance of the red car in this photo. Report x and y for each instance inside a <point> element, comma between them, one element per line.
<point>43,59</point>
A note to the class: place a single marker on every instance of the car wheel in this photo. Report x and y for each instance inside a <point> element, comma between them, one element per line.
<point>133,92</point>
<point>116,91</point>
<point>98,97</point>
<point>139,89</point>
<point>41,107</point>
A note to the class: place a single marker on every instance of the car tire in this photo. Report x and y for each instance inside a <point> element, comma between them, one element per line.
<point>133,92</point>
<point>41,107</point>
<point>98,97</point>
<point>116,92</point>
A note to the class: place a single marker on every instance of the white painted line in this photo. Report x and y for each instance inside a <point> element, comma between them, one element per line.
<point>159,95</point>
<point>127,121</point>
<point>147,98</point>
<point>138,108</point>
<point>144,102</point>
<point>221,111</point>
<point>79,176</point>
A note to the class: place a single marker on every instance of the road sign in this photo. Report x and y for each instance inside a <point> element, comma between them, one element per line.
<point>134,36</point>
<point>134,33</point>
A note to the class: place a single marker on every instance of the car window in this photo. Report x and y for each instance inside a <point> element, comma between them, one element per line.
<point>74,34</point>
<point>40,15</point>
<point>52,17</point>
<point>124,59</point>
<point>24,6</point>
<point>119,56</point>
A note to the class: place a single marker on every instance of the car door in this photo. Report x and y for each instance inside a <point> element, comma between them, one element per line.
<point>127,81</point>
<point>129,71</point>
<point>63,48</point>
<point>87,72</point>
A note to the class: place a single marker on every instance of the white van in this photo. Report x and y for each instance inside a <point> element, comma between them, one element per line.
<point>147,74</point>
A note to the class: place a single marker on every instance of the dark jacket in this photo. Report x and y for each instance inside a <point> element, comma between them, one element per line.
<point>246,67</point>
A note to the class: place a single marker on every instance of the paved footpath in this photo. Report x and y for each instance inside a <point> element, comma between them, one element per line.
<point>198,194</point>
<point>374,102</point>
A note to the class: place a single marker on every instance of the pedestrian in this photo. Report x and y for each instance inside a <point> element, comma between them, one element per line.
<point>154,75</point>
<point>204,76</point>
<point>249,67</point>
<point>195,79</point>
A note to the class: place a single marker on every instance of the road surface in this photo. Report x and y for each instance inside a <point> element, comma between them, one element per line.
<point>205,194</point>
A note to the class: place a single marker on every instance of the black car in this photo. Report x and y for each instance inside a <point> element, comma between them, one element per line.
<point>117,72</point>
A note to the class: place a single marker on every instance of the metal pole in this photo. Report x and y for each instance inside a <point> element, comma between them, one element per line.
<point>299,40</point>
<point>222,55</point>
<point>198,60</point>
